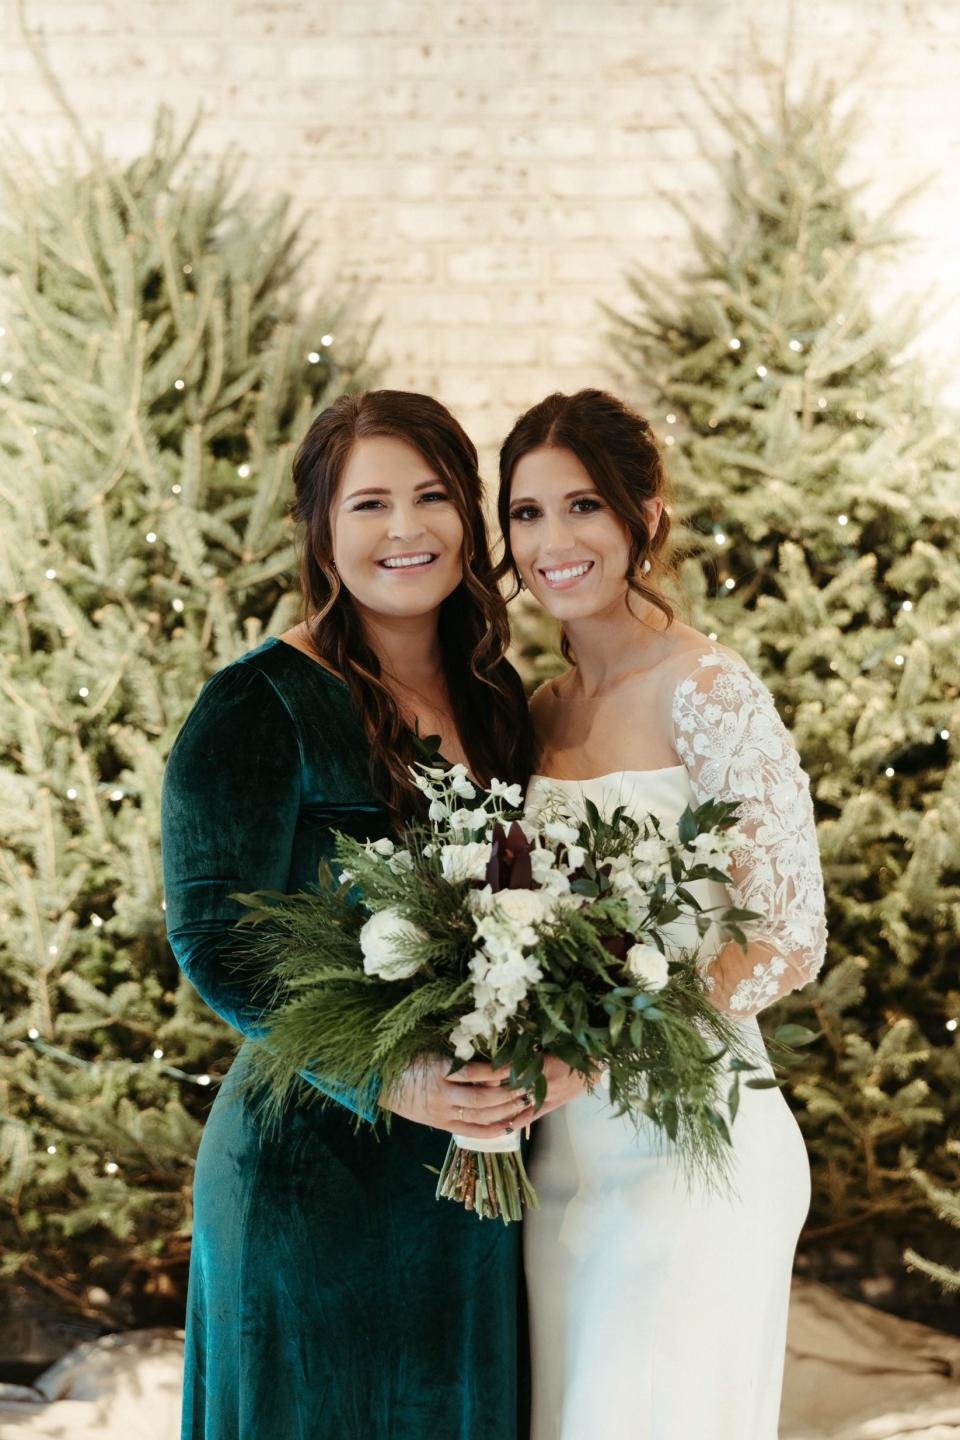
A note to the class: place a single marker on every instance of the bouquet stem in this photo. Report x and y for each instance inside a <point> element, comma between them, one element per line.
<point>492,1183</point>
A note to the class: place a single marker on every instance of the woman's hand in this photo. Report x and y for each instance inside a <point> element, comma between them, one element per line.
<point>474,1102</point>
<point>563,1084</point>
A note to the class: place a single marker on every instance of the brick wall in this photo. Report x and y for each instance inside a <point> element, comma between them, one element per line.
<point>491,167</point>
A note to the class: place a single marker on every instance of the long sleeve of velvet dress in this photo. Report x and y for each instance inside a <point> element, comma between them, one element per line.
<point>331,1297</point>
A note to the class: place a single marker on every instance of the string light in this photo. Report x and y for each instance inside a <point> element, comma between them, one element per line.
<point>821,402</point>
<point>898,660</point>
<point>176,489</point>
<point>952,1024</point>
<point>843,519</point>
<point>713,634</point>
<point>313,357</point>
<point>668,439</point>
<point>116,794</point>
<point>796,346</point>
<point>151,537</point>
<point>762,371</point>
<point>720,538</point>
<point>833,665</point>
<point>671,418</point>
<point>158,1054</point>
<point>111,1167</point>
<point>51,949</point>
<point>729,583</point>
<point>50,574</point>
<point>188,269</point>
<point>83,692</point>
<point>177,604</point>
<point>203,1079</point>
<point>51,1149</point>
<point>243,471</point>
<point>71,793</point>
<point>178,384</point>
<point>944,734</point>
<point>96,921</point>
<point>33,1033</point>
<point>6,377</point>
<point>889,771</point>
<point>326,339</point>
<point>861,415</point>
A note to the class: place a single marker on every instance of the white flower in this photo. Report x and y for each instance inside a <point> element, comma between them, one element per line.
<point>576,855</point>
<point>383,940</point>
<point>383,847</point>
<point>543,863</point>
<point>561,833</point>
<point>439,810</point>
<point>465,862</point>
<point>400,860</point>
<point>345,877</point>
<point>511,795</point>
<point>469,819</point>
<point>460,782</point>
<point>646,964</point>
<point>522,907</point>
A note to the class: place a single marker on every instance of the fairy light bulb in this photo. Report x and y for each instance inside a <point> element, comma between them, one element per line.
<point>898,659</point>
<point>668,439</point>
<point>821,403</point>
<point>843,519</point>
<point>111,1167</point>
<point>96,921</point>
<point>762,371</point>
<point>314,357</point>
<point>729,583</point>
<point>944,734</point>
<point>158,1054</point>
<point>83,692</point>
<point>116,794</point>
<point>50,574</point>
<point>243,471</point>
<point>176,489</point>
<point>795,346</point>
<point>889,771</point>
<point>51,1149</point>
<point>151,537</point>
<point>713,635</point>
<point>52,949</point>
<point>203,1079</point>
<point>734,343</point>
<point>952,1025</point>
<point>720,538</point>
<point>907,605</point>
<point>178,384</point>
<point>671,418</point>
<point>177,604</point>
<point>71,793</point>
<point>33,1033</point>
<point>326,340</point>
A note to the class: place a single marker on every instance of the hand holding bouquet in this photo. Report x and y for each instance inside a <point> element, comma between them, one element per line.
<point>486,934</point>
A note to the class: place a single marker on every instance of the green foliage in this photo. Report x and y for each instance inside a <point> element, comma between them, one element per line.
<point>156,382</point>
<point>818,506</point>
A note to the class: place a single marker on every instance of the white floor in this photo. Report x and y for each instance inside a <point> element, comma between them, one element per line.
<point>853,1373</point>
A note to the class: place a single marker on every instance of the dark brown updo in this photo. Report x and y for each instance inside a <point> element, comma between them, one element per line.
<point>617,449</point>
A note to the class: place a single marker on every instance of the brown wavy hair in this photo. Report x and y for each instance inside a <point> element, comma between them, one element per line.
<point>617,448</point>
<point>486,693</point>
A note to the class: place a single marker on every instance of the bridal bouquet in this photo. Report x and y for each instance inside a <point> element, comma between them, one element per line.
<point>488,934</point>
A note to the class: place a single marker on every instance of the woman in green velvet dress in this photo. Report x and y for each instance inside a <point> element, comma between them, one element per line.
<point>331,1297</point>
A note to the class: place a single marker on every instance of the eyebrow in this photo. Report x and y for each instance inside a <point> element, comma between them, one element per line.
<point>570,495</point>
<point>384,490</point>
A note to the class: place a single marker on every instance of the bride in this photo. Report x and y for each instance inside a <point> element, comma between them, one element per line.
<point>657,1312</point>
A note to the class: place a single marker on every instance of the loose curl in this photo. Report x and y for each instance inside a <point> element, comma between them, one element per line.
<point>617,448</point>
<point>485,691</point>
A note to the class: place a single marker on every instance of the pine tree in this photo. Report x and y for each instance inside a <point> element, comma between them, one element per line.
<point>159,367</point>
<point>816,484</point>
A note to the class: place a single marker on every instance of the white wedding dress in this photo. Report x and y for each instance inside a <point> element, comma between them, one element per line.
<point>657,1312</point>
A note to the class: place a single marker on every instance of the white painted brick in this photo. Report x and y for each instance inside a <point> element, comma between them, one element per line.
<point>492,169</point>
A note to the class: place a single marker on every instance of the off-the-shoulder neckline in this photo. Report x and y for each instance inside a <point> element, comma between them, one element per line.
<point>550,684</point>
<point>610,775</point>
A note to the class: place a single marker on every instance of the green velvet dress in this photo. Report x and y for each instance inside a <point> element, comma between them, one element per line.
<point>331,1297</point>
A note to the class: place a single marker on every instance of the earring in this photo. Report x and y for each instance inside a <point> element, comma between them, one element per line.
<point>646,567</point>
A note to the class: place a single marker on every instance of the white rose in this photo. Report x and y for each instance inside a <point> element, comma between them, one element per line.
<point>523,907</point>
<point>464,862</point>
<point>646,964</point>
<point>382,941</point>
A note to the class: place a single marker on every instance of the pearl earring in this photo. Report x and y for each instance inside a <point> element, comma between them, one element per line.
<point>646,567</point>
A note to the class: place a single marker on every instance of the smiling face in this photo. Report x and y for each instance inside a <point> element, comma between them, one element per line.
<point>396,532</point>
<point>570,548</point>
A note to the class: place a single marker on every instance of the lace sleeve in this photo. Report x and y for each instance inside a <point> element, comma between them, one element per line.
<point>735,747</point>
